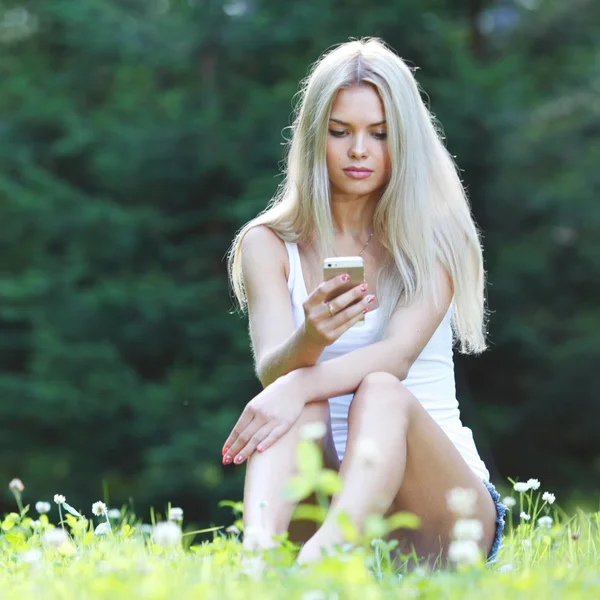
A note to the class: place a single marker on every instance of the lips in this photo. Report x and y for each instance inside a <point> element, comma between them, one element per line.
<point>358,170</point>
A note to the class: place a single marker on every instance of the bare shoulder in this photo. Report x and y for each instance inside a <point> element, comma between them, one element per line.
<point>262,244</point>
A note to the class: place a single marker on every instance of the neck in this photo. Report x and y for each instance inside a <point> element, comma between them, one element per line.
<point>353,216</point>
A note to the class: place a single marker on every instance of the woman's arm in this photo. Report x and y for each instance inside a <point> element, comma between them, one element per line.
<point>406,335</point>
<point>278,346</point>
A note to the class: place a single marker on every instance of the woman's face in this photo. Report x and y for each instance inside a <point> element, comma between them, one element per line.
<point>356,138</point>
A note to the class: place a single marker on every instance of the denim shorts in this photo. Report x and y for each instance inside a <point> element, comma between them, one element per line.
<point>500,512</point>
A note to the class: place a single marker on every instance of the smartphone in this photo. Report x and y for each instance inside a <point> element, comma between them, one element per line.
<point>354,266</point>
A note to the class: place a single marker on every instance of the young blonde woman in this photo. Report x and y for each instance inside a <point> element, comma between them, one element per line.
<point>367,174</point>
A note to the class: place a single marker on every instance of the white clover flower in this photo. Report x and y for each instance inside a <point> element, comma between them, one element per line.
<point>468,529</point>
<point>368,452</point>
<point>545,521</point>
<point>176,514</point>
<point>509,501</point>
<point>534,484</point>
<point>253,566</point>
<point>461,501</point>
<point>525,516</point>
<point>42,507</point>
<point>166,534</point>
<point>521,487</point>
<point>31,556</point>
<point>114,513</point>
<point>55,538</point>
<point>548,497</point>
<point>16,485</point>
<point>59,499</point>
<point>99,509</point>
<point>232,529</point>
<point>35,524</point>
<point>256,538</point>
<point>313,431</point>
<point>463,552</point>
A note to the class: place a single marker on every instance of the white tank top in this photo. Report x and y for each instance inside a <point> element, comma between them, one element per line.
<point>430,379</point>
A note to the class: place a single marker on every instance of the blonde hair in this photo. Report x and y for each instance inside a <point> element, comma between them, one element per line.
<point>423,215</point>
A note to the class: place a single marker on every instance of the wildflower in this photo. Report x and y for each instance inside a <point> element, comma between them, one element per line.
<point>114,513</point>
<point>548,497</point>
<point>521,487</point>
<point>31,556</point>
<point>545,522</point>
<point>232,529</point>
<point>463,552</point>
<point>253,566</point>
<point>166,534</point>
<point>59,499</point>
<point>55,538</point>
<point>461,501</point>
<point>42,507</point>
<point>534,484</point>
<point>99,509</point>
<point>509,501</point>
<point>367,451</point>
<point>16,485</point>
<point>35,524</point>
<point>313,431</point>
<point>525,516</point>
<point>468,529</point>
<point>256,538</point>
<point>176,514</point>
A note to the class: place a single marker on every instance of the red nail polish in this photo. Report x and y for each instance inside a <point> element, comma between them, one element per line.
<point>345,277</point>
<point>224,451</point>
<point>260,447</point>
<point>365,311</point>
<point>238,459</point>
<point>363,287</point>
<point>371,299</point>
<point>226,460</point>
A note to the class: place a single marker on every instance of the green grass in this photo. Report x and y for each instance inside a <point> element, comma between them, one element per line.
<point>132,560</point>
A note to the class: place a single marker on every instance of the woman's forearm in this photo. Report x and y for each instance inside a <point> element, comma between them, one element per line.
<point>296,352</point>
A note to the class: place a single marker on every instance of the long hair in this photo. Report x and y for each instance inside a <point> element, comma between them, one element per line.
<point>423,215</point>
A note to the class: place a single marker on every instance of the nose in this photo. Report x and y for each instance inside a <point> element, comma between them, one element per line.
<point>358,147</point>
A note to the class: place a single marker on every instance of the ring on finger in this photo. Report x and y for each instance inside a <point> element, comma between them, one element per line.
<point>330,311</point>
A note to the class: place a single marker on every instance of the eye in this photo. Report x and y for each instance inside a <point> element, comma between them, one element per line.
<point>380,136</point>
<point>336,133</point>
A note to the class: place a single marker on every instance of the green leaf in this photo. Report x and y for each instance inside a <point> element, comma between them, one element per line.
<point>71,510</point>
<point>309,458</point>
<point>309,512</point>
<point>375,527</point>
<point>102,529</point>
<point>348,529</point>
<point>403,520</point>
<point>330,482</point>
<point>298,488</point>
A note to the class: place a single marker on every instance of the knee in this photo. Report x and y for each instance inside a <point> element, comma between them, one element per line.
<point>385,390</point>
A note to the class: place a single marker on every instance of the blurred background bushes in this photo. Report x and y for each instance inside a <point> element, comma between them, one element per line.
<point>138,135</point>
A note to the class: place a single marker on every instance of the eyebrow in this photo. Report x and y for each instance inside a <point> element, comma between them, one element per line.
<point>348,124</point>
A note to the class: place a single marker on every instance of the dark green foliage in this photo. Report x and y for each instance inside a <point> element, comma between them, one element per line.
<point>138,136</point>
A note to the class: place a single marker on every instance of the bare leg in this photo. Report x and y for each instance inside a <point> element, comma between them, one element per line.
<point>417,463</point>
<point>267,472</point>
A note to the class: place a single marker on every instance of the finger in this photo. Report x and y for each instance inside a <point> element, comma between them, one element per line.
<point>243,422</point>
<point>273,436</point>
<point>361,310</point>
<point>324,289</point>
<point>252,444</point>
<point>347,300</point>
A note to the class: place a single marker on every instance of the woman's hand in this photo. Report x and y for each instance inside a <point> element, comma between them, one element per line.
<point>265,419</point>
<point>324,321</point>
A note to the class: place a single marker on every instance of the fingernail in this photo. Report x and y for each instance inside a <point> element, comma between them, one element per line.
<point>238,459</point>
<point>371,299</point>
<point>225,450</point>
<point>260,447</point>
<point>363,287</point>
<point>365,311</point>
<point>226,460</point>
<point>345,277</point>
